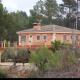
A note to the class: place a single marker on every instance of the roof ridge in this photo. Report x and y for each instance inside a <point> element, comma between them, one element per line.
<point>50,28</point>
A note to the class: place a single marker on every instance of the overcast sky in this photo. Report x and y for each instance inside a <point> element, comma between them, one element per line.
<point>24,5</point>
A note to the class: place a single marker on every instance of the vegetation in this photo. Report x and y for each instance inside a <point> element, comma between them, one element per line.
<point>68,7</point>
<point>2,74</point>
<point>44,11</point>
<point>22,56</point>
<point>60,60</point>
<point>47,12</point>
<point>46,60</point>
<point>15,55</point>
<point>10,23</point>
<point>40,58</point>
<point>56,45</point>
<point>61,57</point>
<point>8,54</point>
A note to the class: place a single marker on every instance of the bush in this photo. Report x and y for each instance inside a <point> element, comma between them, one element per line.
<point>2,74</point>
<point>55,61</point>
<point>40,58</point>
<point>60,60</point>
<point>22,52</point>
<point>56,45</point>
<point>23,55</point>
<point>16,55</point>
<point>69,60</point>
<point>9,53</point>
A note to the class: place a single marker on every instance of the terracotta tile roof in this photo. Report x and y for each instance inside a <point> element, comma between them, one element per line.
<point>49,28</point>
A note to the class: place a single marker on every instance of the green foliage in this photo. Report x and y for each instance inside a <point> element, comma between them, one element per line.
<point>69,2</point>
<point>2,74</point>
<point>72,58</point>
<point>9,53</point>
<point>68,60</point>
<point>10,23</point>
<point>60,60</point>
<point>71,6</point>
<point>18,55</point>
<point>56,45</point>
<point>41,57</point>
<point>22,56</point>
<point>44,11</point>
<point>51,9</point>
<point>22,52</point>
<point>55,61</point>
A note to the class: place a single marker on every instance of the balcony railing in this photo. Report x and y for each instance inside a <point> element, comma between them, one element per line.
<point>4,44</point>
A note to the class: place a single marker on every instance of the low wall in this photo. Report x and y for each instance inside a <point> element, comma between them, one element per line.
<point>9,64</point>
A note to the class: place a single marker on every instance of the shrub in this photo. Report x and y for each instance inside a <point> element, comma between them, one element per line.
<point>40,58</point>
<point>60,60</point>
<point>56,45</point>
<point>9,53</point>
<point>2,74</point>
<point>16,55</point>
<point>23,55</point>
<point>69,60</point>
<point>55,61</point>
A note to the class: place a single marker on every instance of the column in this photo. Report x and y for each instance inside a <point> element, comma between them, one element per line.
<point>8,43</point>
<point>54,37</point>
<point>4,43</point>
<point>19,39</point>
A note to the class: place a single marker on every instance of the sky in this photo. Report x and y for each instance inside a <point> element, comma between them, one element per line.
<point>21,5</point>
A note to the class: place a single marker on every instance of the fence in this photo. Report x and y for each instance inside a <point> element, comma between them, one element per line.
<point>4,44</point>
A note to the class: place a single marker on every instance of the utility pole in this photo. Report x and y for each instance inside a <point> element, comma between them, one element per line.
<point>76,25</point>
<point>74,40</point>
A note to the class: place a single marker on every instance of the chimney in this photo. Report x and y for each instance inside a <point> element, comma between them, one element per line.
<point>37,26</point>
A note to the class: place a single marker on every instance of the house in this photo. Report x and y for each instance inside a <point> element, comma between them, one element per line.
<point>43,35</point>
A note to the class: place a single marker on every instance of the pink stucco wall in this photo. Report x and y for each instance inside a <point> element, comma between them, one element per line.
<point>35,41</point>
<point>59,36</point>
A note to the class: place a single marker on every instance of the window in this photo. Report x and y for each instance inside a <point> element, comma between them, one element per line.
<point>45,37</point>
<point>38,37</point>
<point>65,37</point>
<point>74,37</point>
<point>23,38</point>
